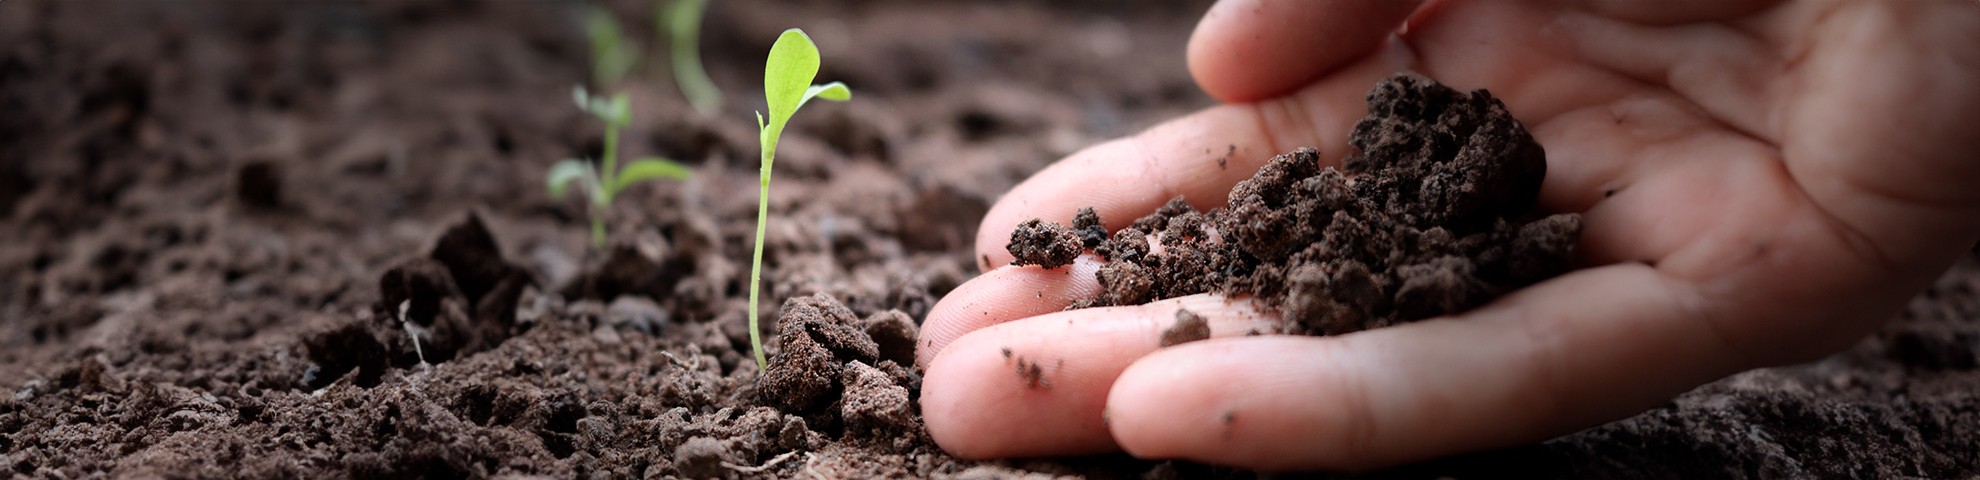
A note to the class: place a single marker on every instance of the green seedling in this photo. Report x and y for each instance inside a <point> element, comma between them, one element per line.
<point>682,22</point>
<point>787,76</point>
<point>612,56</point>
<point>600,185</point>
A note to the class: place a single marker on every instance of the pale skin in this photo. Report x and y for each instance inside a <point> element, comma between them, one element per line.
<point>1762,183</point>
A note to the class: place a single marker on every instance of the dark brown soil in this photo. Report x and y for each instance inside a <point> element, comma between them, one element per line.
<point>1189,327</point>
<point>1432,216</point>
<point>1045,244</point>
<point>212,214</point>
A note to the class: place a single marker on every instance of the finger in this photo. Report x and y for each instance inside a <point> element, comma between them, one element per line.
<point>1644,170</point>
<point>1668,12</point>
<point>1765,77</point>
<point>1035,387</point>
<point>1250,50</point>
<point>1511,49</point>
<point>1001,295</point>
<point>1725,71</point>
<point>1885,125</point>
<point>1666,187</point>
<point>1568,353</point>
<point>1198,157</point>
<point>1641,162</point>
<point>1598,152</point>
<point>1661,180</point>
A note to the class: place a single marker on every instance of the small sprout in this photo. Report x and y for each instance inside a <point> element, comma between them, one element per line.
<point>601,185</point>
<point>787,76</point>
<point>612,57</point>
<point>682,22</point>
<point>412,330</point>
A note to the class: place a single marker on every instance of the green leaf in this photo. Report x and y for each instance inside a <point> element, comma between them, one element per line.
<point>762,132</point>
<point>649,168</point>
<point>787,75</point>
<point>620,110</point>
<point>582,97</point>
<point>601,27</point>
<point>682,20</point>
<point>600,107</point>
<point>683,17</point>
<point>835,91</point>
<point>611,56</point>
<point>565,171</point>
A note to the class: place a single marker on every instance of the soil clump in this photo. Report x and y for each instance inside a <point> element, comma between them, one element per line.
<point>1045,244</point>
<point>1433,215</point>
<point>1189,327</point>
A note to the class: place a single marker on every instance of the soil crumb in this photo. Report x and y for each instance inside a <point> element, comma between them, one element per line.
<point>1433,215</point>
<point>1045,244</point>
<point>1030,373</point>
<point>1091,232</point>
<point>259,184</point>
<point>1189,327</point>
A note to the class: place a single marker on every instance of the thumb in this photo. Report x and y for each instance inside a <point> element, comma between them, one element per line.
<point>1249,50</point>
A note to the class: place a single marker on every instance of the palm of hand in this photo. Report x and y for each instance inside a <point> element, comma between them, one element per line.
<point>1760,184</point>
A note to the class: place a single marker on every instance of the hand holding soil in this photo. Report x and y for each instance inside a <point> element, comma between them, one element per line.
<point>1759,183</point>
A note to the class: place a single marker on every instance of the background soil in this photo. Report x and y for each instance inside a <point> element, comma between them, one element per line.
<point>198,200</point>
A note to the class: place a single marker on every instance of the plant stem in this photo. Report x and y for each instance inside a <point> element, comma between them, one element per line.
<point>683,20</point>
<point>598,230</point>
<point>611,170</point>
<point>756,259</point>
<point>601,205</point>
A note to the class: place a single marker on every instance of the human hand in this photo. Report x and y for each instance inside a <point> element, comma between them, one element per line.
<point>1761,183</point>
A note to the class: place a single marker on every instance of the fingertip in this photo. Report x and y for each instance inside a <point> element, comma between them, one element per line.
<point>1669,12</point>
<point>1108,177</point>
<point>1001,295</point>
<point>1249,50</point>
<point>1228,401</point>
<point>1010,392</point>
<point>953,404</point>
<point>1037,387</point>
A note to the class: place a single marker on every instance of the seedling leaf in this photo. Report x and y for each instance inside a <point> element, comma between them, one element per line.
<point>787,75</point>
<point>566,171</point>
<point>611,56</point>
<point>648,168</point>
<point>683,16</point>
<point>835,91</point>
<point>601,183</point>
<point>619,111</point>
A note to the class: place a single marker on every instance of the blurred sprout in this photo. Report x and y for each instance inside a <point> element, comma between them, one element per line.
<point>682,22</point>
<point>600,185</point>
<point>612,56</point>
